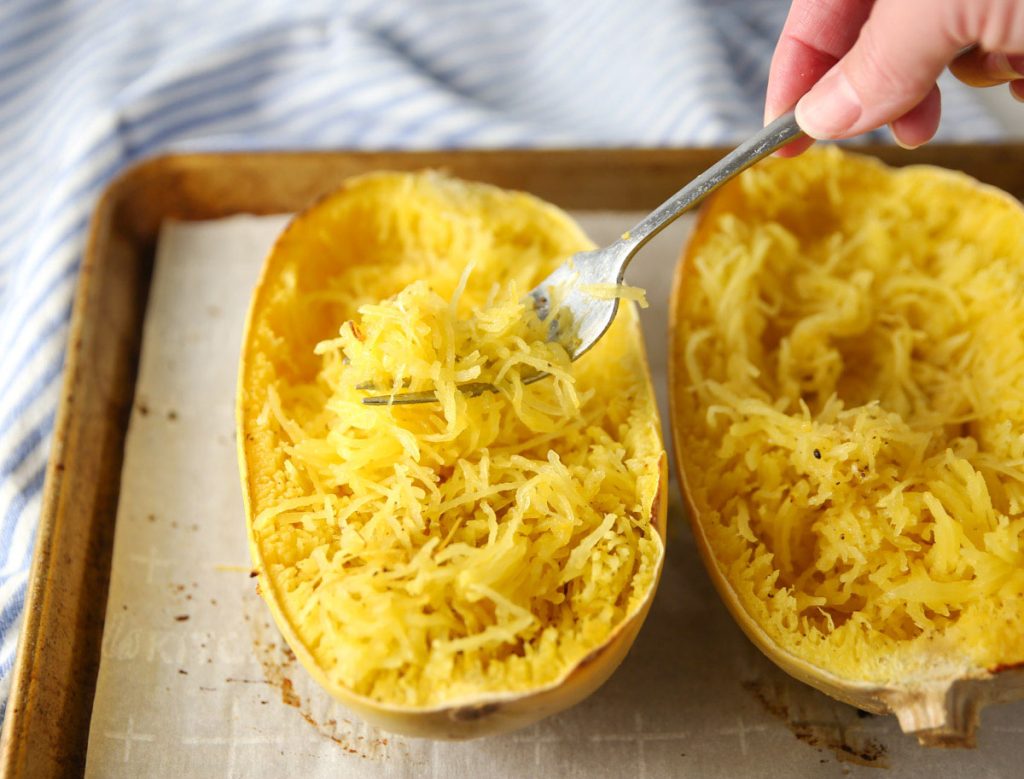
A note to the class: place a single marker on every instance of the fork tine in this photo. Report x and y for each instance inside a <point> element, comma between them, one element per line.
<point>472,389</point>
<point>400,399</point>
<point>407,398</point>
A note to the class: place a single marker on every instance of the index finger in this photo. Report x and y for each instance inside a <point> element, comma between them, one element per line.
<point>817,33</point>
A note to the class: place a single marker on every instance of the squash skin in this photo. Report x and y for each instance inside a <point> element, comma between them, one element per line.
<point>488,713</point>
<point>941,711</point>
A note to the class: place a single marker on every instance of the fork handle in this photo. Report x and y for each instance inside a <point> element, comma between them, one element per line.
<point>760,145</point>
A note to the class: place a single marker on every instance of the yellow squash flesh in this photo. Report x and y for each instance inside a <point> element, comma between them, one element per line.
<point>358,246</point>
<point>847,398</point>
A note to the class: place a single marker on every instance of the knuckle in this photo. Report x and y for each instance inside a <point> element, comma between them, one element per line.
<point>1003,27</point>
<point>996,25</point>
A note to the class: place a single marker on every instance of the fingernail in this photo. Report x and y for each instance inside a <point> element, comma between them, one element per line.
<point>1003,67</point>
<point>830,108</point>
<point>901,143</point>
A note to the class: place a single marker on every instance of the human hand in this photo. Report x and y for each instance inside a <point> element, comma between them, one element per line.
<point>851,66</point>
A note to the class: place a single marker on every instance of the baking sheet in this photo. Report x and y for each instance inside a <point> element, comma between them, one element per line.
<point>195,681</point>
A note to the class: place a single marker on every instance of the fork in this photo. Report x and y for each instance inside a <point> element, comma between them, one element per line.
<point>586,317</point>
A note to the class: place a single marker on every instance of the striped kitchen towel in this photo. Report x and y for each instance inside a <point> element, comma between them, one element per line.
<point>87,86</point>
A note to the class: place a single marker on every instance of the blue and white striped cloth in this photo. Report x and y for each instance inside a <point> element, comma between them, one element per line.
<point>87,86</point>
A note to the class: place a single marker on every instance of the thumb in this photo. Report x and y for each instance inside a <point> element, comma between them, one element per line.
<point>902,49</point>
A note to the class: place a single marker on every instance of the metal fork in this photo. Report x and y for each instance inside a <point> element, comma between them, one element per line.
<point>589,317</point>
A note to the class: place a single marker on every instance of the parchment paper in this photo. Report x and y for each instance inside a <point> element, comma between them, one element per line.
<point>195,681</point>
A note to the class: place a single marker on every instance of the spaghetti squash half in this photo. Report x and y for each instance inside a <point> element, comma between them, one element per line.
<point>848,410</point>
<point>454,568</point>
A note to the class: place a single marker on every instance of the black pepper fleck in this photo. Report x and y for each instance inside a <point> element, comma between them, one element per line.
<point>817,454</point>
